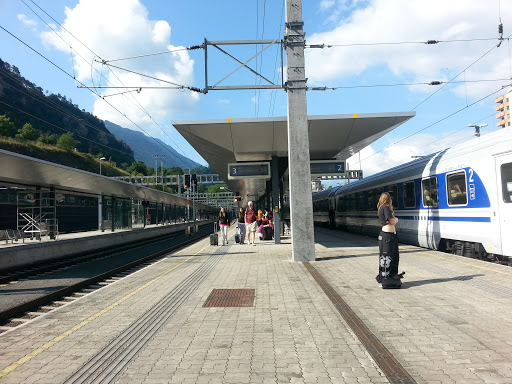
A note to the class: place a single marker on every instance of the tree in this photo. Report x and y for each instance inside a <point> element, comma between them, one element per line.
<point>217,188</point>
<point>6,126</point>
<point>202,170</point>
<point>139,168</point>
<point>27,133</point>
<point>46,138</point>
<point>173,171</point>
<point>201,188</point>
<point>67,142</point>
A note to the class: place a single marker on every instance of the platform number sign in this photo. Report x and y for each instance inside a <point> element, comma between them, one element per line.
<point>252,170</point>
<point>327,167</point>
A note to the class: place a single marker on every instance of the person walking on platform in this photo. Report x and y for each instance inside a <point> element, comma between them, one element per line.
<point>250,223</point>
<point>223,225</point>
<point>388,244</point>
<point>241,225</point>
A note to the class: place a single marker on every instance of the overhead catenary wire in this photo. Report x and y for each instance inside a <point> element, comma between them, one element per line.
<point>56,107</point>
<point>261,56</point>
<point>157,53</point>
<point>424,42</point>
<point>256,52</point>
<point>195,89</point>
<point>465,69</point>
<point>85,86</point>
<point>435,82</point>
<point>439,121</point>
<point>134,100</point>
<point>62,129</point>
<point>273,94</point>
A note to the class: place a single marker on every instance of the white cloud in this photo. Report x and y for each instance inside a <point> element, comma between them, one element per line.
<point>413,20</point>
<point>118,29</point>
<point>26,21</point>
<point>326,4</point>
<point>373,161</point>
<point>224,101</point>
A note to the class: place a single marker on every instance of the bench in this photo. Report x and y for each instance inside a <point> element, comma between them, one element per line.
<point>4,236</point>
<point>12,235</point>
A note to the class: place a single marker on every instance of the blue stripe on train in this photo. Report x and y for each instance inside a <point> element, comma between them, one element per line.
<point>447,218</point>
<point>433,218</point>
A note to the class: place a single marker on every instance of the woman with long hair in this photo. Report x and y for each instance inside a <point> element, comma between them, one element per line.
<point>223,225</point>
<point>388,244</point>
<point>241,225</point>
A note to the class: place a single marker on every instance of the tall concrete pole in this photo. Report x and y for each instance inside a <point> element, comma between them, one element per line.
<point>301,204</point>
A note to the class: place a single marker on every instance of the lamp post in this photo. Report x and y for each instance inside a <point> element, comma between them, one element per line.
<point>161,157</point>
<point>477,128</point>
<point>162,166</point>
<point>156,167</point>
<point>101,158</point>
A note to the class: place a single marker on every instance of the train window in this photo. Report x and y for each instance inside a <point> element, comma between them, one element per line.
<point>409,195</point>
<point>393,192</point>
<point>341,204</point>
<point>353,202</point>
<point>506,182</point>
<point>456,188</point>
<point>370,203</point>
<point>429,192</point>
<point>361,201</point>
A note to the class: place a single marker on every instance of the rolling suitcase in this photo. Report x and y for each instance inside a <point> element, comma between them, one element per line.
<point>237,238</point>
<point>394,282</point>
<point>267,233</point>
<point>214,237</point>
<point>391,282</point>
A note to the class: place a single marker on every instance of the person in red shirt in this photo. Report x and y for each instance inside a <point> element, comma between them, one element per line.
<point>250,223</point>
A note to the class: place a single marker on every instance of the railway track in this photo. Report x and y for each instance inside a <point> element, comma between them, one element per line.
<point>28,295</point>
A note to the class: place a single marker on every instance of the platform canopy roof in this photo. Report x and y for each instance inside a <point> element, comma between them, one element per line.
<point>29,172</point>
<point>224,141</point>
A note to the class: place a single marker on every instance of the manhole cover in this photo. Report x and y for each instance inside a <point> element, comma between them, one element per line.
<point>230,298</point>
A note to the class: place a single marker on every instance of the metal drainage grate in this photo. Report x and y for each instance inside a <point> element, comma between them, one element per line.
<point>230,298</point>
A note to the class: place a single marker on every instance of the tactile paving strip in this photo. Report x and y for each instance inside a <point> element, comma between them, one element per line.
<point>230,298</point>
<point>394,371</point>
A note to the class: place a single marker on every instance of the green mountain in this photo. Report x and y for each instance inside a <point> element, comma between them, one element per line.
<point>145,147</point>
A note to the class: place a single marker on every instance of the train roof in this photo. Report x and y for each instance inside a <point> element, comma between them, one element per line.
<point>496,142</point>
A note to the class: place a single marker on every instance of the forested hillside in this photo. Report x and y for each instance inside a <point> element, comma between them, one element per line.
<point>29,114</point>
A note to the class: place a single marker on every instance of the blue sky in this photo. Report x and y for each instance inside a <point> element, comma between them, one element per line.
<point>114,29</point>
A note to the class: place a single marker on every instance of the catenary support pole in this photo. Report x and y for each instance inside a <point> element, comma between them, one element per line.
<point>276,211</point>
<point>301,204</point>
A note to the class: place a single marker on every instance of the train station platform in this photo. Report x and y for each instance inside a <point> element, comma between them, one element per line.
<point>14,254</point>
<point>191,318</point>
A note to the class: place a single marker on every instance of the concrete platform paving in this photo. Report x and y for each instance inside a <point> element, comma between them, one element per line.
<point>450,322</point>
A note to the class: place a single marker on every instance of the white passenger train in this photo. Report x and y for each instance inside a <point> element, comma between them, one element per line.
<point>457,200</point>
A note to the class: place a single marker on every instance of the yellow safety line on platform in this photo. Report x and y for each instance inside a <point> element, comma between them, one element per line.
<point>90,319</point>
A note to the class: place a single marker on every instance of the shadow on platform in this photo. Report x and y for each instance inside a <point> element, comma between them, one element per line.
<point>417,283</point>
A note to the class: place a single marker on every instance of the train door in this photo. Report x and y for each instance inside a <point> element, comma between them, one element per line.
<point>430,213</point>
<point>504,173</point>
